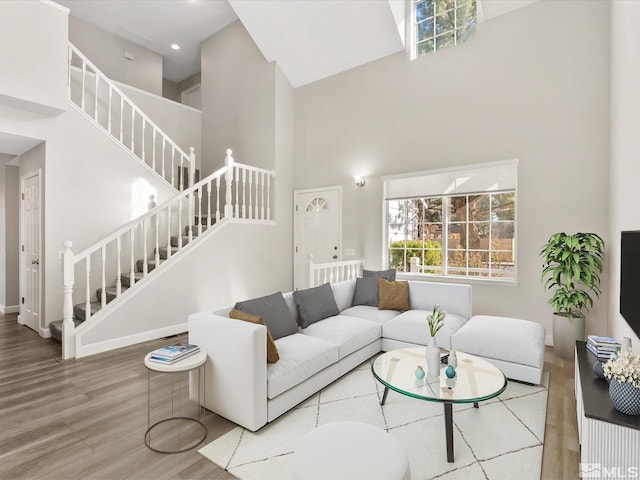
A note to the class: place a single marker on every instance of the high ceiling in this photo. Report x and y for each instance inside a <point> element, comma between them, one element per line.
<point>310,39</point>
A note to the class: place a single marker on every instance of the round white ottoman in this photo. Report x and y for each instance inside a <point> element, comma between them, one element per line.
<point>349,451</point>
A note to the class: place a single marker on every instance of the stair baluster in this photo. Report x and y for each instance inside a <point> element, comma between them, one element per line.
<point>157,249</point>
<point>103,294</point>
<point>87,313</point>
<point>268,197</point>
<point>262,182</point>
<point>169,251</point>
<point>228,207</point>
<point>95,112</point>
<point>119,268</point>
<point>237,203</point>
<point>109,113</point>
<point>250,189</point>
<point>145,265</point>
<point>218,199</point>
<point>132,279</point>
<point>244,194</point>
<point>209,205</point>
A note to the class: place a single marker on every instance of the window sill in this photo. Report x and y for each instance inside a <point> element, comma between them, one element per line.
<point>456,279</point>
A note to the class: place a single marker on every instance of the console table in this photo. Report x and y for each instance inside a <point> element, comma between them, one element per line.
<point>608,438</point>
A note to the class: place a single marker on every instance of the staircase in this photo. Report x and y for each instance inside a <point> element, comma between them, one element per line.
<point>114,267</point>
<point>114,291</point>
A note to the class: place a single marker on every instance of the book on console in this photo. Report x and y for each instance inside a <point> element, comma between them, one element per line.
<point>601,340</point>
<point>173,360</point>
<point>174,352</point>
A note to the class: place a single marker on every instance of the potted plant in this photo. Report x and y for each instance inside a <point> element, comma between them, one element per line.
<point>435,322</point>
<point>571,270</point>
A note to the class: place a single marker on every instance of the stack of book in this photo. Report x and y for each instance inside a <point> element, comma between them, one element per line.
<point>173,353</point>
<point>602,347</point>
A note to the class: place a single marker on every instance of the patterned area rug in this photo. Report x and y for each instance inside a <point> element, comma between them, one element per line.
<point>502,437</point>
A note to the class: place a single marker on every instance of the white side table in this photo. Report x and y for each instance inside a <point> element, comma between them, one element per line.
<point>192,362</point>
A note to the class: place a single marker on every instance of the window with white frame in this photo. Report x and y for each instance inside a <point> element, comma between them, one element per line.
<point>439,24</point>
<point>453,222</point>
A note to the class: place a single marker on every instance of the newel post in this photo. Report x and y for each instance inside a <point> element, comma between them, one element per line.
<point>68,327</point>
<point>228,207</point>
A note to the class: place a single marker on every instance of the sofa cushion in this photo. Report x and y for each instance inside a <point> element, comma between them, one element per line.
<point>509,339</point>
<point>370,313</point>
<point>411,327</point>
<point>348,333</point>
<point>315,304</point>
<point>393,295</point>
<point>301,357</point>
<point>272,350</point>
<point>386,274</point>
<point>274,312</point>
<point>366,292</point>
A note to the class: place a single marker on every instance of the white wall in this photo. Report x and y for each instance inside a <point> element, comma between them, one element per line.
<point>33,55</point>
<point>106,51</point>
<point>533,85</point>
<point>625,148</point>
<point>9,248</point>
<point>238,100</point>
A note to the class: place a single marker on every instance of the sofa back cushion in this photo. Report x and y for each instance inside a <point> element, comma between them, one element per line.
<point>366,292</point>
<point>386,274</point>
<point>315,304</point>
<point>274,312</point>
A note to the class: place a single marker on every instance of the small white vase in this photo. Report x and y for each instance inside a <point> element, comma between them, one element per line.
<point>433,358</point>
<point>453,359</point>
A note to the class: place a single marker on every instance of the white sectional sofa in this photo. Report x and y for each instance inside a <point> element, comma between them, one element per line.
<point>241,386</point>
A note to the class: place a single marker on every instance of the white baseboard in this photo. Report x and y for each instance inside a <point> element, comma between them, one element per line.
<point>9,309</point>
<point>548,340</point>
<point>107,345</point>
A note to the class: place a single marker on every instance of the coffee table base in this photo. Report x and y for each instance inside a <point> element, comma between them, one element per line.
<point>448,423</point>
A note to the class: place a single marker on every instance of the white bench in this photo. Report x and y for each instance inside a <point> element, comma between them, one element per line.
<point>513,345</point>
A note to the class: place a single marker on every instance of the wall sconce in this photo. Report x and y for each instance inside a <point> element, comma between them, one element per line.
<point>359,180</point>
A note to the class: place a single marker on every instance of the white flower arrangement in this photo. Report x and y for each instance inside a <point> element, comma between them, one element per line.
<point>625,368</point>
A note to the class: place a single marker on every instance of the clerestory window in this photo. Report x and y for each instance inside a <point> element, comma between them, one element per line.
<point>439,24</point>
<point>454,222</point>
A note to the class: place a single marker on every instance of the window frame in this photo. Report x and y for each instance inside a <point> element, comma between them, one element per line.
<point>445,221</point>
<point>413,26</point>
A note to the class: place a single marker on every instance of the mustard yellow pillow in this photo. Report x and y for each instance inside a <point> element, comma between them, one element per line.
<point>393,295</point>
<point>272,350</point>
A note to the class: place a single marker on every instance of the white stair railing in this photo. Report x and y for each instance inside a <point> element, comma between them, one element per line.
<point>332,272</point>
<point>100,99</point>
<point>124,247</point>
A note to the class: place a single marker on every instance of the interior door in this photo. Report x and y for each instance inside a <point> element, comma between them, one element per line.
<point>318,230</point>
<point>30,252</point>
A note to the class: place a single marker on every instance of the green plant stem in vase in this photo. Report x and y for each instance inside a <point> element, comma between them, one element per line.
<point>434,321</point>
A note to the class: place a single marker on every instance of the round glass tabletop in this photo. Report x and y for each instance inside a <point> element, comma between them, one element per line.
<point>476,379</point>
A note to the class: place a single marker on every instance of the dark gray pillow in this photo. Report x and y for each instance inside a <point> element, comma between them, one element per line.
<point>315,304</point>
<point>274,312</point>
<point>386,274</point>
<point>366,292</point>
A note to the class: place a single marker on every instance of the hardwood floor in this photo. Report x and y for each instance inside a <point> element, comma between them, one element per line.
<point>86,418</point>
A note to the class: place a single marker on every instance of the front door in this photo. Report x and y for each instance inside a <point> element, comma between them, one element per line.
<point>30,252</point>
<point>318,230</point>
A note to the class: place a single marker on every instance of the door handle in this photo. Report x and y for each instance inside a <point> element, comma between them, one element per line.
<point>335,257</point>
<point>35,262</point>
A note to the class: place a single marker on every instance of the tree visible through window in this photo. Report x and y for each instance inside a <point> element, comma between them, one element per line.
<point>442,23</point>
<point>467,235</point>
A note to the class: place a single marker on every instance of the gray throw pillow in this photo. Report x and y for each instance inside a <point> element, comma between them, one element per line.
<point>315,304</point>
<point>386,274</point>
<point>366,292</point>
<point>274,312</point>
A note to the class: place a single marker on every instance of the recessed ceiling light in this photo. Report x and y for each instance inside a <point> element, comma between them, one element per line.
<point>175,46</point>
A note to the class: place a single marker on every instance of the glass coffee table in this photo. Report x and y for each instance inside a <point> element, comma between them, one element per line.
<point>476,380</point>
